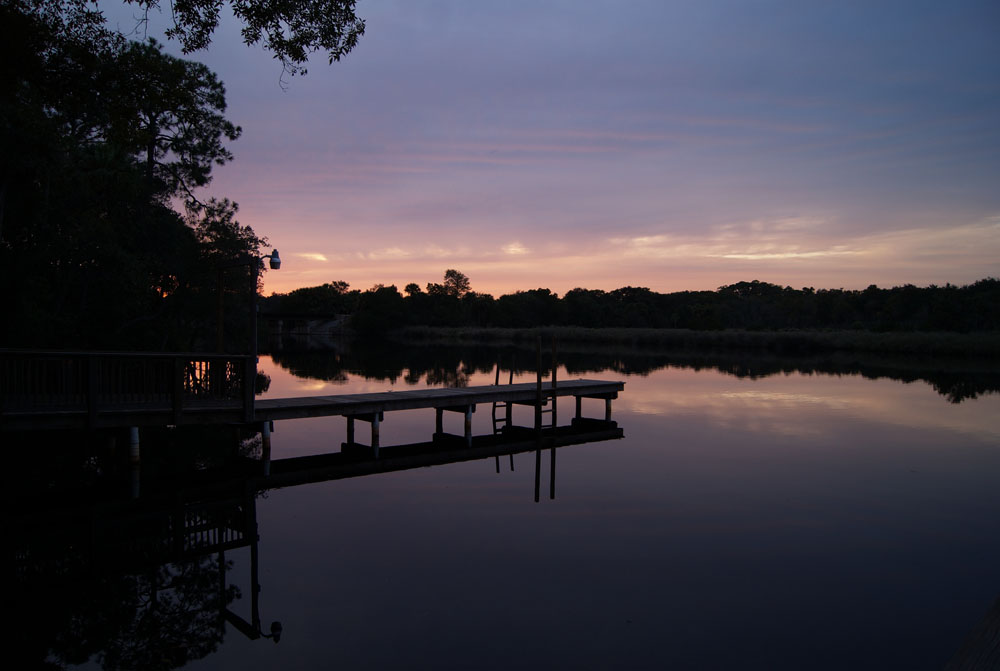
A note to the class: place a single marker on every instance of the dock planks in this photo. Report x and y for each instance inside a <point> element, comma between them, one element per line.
<point>444,397</point>
<point>121,414</point>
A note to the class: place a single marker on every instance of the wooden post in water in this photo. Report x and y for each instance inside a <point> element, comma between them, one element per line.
<point>538,468</point>
<point>555,365</point>
<point>552,474</point>
<point>135,467</point>
<point>468,425</point>
<point>538,389</point>
<point>265,442</point>
<point>555,423</point>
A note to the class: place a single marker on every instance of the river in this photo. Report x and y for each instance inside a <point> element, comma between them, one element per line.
<point>771,516</point>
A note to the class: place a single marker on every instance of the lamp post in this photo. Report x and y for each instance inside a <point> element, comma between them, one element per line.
<point>251,370</point>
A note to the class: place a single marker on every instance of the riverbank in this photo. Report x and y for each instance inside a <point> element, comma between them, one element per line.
<point>981,344</point>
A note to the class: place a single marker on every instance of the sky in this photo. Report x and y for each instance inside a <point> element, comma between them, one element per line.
<point>675,145</point>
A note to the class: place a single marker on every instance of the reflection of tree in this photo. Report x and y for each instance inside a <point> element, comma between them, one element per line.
<point>453,365</point>
<point>445,377</point>
<point>128,583</point>
<point>160,620</point>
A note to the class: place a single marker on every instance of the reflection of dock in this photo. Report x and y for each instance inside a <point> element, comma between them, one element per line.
<point>357,462</point>
<point>214,511</point>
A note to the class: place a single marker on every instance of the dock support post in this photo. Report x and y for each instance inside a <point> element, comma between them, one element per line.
<point>375,419</point>
<point>538,468</point>
<point>468,426</point>
<point>607,409</point>
<point>438,421</point>
<point>265,442</point>
<point>579,407</point>
<point>133,444</point>
<point>133,459</point>
<point>552,473</point>
<point>538,389</point>
<point>555,384</point>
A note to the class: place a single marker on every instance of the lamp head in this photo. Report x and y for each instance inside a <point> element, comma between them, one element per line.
<point>275,260</point>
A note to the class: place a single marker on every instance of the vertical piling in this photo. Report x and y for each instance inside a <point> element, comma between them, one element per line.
<point>265,442</point>
<point>133,460</point>
<point>552,473</point>
<point>468,426</point>
<point>538,468</point>
<point>538,389</point>
<point>555,366</point>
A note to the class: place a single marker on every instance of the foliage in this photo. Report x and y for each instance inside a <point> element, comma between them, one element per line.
<point>291,29</point>
<point>98,137</point>
<point>327,300</point>
<point>168,113</point>
<point>455,285</point>
<point>746,306</point>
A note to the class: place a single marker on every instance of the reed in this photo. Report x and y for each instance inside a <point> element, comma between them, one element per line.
<point>982,344</point>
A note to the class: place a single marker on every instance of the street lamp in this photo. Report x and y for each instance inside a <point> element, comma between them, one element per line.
<point>274,260</point>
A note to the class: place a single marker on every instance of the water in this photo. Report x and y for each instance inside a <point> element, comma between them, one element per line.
<point>781,521</point>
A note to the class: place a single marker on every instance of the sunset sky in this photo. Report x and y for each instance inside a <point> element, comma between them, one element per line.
<point>671,145</point>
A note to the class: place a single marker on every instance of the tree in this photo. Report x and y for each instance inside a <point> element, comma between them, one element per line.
<point>98,137</point>
<point>291,29</point>
<point>456,285</point>
<point>169,113</point>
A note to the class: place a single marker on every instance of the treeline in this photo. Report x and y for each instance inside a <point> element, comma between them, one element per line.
<point>745,305</point>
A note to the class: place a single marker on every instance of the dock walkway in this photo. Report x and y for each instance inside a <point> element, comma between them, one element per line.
<point>36,411</point>
<point>444,397</point>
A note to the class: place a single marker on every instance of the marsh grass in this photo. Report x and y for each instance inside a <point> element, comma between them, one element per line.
<point>983,345</point>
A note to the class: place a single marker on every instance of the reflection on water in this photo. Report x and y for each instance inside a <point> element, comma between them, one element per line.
<point>779,518</point>
<point>453,366</point>
<point>130,581</point>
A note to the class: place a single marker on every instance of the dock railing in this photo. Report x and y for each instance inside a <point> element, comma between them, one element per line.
<point>94,383</point>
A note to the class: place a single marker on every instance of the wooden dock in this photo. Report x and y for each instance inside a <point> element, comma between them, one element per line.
<point>447,398</point>
<point>89,390</point>
<point>371,407</point>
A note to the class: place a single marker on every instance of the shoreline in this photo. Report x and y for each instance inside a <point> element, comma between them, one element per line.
<point>960,345</point>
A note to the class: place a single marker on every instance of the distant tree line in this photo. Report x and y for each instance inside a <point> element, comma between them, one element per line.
<point>745,305</point>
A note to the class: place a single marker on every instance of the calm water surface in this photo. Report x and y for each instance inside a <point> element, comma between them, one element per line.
<point>794,521</point>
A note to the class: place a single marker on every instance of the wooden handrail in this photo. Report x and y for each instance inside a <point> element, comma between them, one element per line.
<point>99,382</point>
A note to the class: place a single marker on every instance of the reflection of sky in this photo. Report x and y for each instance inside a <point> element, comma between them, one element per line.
<point>799,404</point>
<point>792,404</point>
<point>680,145</point>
